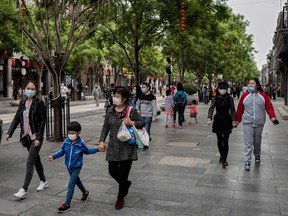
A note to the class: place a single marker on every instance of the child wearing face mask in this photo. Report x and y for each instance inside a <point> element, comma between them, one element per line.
<point>73,148</point>
<point>223,120</point>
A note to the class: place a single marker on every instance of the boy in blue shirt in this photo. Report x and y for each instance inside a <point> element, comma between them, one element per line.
<point>73,148</point>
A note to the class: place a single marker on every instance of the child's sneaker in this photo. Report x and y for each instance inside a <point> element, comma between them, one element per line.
<point>85,196</point>
<point>190,123</point>
<point>173,125</point>
<point>63,208</point>
<point>197,122</point>
<point>165,126</point>
<point>247,167</point>
<point>180,127</point>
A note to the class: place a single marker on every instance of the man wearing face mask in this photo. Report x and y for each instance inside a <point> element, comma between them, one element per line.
<point>147,107</point>
<point>222,124</point>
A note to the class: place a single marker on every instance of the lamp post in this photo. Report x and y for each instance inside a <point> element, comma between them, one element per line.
<point>23,73</point>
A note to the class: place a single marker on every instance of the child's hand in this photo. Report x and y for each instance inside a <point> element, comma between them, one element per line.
<point>50,158</point>
<point>102,149</point>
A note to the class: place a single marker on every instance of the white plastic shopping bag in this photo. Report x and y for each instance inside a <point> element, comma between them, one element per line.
<point>144,136</point>
<point>123,133</point>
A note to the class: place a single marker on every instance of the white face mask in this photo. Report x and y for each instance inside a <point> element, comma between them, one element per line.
<point>222,91</point>
<point>72,137</point>
<point>116,101</point>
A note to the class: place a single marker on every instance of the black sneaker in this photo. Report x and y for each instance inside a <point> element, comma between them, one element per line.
<point>63,208</point>
<point>257,159</point>
<point>85,196</point>
<point>224,164</point>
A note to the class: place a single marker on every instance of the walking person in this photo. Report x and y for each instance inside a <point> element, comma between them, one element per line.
<point>147,107</point>
<point>193,112</point>
<point>120,154</point>
<point>169,107</point>
<point>223,120</point>
<point>96,93</point>
<point>180,101</point>
<point>251,110</point>
<point>31,115</point>
<point>73,148</point>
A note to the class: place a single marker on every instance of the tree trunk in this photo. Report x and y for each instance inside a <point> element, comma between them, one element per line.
<point>136,64</point>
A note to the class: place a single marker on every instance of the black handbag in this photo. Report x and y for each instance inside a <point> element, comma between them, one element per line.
<point>26,141</point>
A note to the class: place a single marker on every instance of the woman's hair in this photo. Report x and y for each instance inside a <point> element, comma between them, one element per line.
<point>180,87</point>
<point>259,88</point>
<point>74,126</point>
<point>194,102</point>
<point>168,92</point>
<point>124,92</point>
<point>33,82</point>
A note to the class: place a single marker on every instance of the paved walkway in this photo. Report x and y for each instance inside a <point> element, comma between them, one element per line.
<point>178,175</point>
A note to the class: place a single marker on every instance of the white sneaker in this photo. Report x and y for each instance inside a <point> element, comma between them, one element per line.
<point>42,186</point>
<point>21,194</point>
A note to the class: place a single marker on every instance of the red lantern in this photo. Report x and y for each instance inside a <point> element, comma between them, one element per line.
<point>183,12</point>
<point>183,4</point>
<point>27,64</point>
<point>13,62</point>
<point>23,9</point>
<point>5,54</point>
<point>183,19</point>
<point>183,26</point>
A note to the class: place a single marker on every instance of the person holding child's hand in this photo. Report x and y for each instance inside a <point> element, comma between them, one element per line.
<point>120,154</point>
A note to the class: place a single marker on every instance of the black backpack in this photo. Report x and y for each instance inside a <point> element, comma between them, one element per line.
<point>180,101</point>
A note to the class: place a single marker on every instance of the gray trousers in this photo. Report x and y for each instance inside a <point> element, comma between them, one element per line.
<point>97,99</point>
<point>252,138</point>
<point>33,160</point>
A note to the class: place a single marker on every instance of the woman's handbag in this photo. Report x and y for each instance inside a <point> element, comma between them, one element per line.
<point>26,141</point>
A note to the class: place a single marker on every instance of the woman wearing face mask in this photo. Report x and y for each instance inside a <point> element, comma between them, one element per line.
<point>31,115</point>
<point>120,154</point>
<point>222,124</point>
<point>251,110</point>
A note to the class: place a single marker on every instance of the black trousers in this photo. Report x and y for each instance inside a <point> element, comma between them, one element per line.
<point>223,146</point>
<point>120,170</point>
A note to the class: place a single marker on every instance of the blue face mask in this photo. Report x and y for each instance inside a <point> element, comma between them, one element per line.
<point>30,93</point>
<point>144,90</point>
<point>251,89</point>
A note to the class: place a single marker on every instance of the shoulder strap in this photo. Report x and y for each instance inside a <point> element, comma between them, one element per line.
<point>128,111</point>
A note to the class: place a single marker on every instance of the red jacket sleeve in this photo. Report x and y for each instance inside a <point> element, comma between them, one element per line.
<point>268,106</point>
<point>240,108</point>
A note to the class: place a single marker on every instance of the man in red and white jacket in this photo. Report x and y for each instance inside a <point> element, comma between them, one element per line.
<point>251,110</point>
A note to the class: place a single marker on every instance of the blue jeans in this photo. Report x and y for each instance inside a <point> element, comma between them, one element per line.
<point>148,122</point>
<point>74,180</point>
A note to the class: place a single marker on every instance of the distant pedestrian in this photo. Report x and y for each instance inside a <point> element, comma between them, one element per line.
<point>251,110</point>
<point>205,95</point>
<point>273,92</point>
<point>147,107</point>
<point>136,91</point>
<point>163,91</point>
<point>64,90</point>
<point>180,102</point>
<point>109,96</point>
<point>223,120</point>
<point>73,148</point>
<point>31,115</point>
<point>169,107</point>
<point>120,154</point>
<point>96,94</point>
<point>193,112</point>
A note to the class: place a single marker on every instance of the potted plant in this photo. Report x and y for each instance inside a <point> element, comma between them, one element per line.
<point>191,91</point>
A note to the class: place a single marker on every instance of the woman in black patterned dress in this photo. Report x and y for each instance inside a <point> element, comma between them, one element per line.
<point>120,154</point>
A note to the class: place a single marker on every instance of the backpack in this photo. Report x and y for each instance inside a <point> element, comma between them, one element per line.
<point>180,101</point>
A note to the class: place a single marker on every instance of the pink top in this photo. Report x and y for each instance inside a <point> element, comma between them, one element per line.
<point>26,123</point>
<point>193,109</point>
